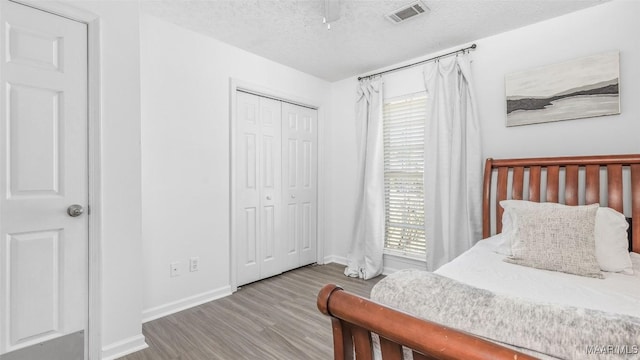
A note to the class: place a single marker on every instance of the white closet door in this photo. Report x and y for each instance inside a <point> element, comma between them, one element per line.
<point>300,174</point>
<point>258,188</point>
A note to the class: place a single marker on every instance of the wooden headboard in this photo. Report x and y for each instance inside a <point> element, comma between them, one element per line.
<point>571,180</point>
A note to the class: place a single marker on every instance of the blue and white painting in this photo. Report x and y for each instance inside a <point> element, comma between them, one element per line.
<point>576,89</point>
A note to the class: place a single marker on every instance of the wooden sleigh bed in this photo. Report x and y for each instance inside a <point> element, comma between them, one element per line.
<point>612,181</point>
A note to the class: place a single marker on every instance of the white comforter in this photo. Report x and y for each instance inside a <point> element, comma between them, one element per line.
<point>483,268</point>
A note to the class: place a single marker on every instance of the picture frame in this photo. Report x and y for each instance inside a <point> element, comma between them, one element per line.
<point>581,88</point>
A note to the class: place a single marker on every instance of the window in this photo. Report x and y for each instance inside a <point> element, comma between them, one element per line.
<point>404,126</point>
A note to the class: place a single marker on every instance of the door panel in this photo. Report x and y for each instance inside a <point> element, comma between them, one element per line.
<point>34,155</point>
<point>306,237</point>
<point>290,169</point>
<point>251,235</point>
<point>43,251</point>
<point>292,164</point>
<point>270,158</point>
<point>32,255</point>
<point>247,192</point>
<point>31,47</point>
<point>300,183</point>
<point>292,230</point>
<point>259,161</point>
<point>269,251</point>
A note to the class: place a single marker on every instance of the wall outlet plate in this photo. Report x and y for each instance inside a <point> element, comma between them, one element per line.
<point>194,264</point>
<point>174,269</point>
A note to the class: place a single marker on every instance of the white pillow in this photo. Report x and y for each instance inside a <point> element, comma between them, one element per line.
<point>556,238</point>
<point>612,245</point>
<point>635,260</point>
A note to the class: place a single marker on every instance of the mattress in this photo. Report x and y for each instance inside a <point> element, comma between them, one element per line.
<point>482,267</point>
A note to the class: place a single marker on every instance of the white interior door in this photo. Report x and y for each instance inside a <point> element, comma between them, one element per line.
<point>300,176</point>
<point>258,188</point>
<point>43,164</point>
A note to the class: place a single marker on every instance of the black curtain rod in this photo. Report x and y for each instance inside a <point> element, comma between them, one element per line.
<point>473,46</point>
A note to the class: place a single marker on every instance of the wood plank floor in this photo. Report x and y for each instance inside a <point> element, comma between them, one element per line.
<point>275,318</point>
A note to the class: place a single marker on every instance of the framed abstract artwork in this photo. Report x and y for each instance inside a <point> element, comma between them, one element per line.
<point>576,89</point>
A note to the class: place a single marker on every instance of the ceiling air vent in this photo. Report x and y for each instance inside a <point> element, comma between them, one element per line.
<point>408,11</point>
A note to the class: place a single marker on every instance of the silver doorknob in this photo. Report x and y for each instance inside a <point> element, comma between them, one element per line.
<point>293,196</point>
<point>75,210</point>
<point>268,197</point>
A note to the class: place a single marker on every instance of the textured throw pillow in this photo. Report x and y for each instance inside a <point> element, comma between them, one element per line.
<point>611,235</point>
<point>556,238</point>
<point>507,225</point>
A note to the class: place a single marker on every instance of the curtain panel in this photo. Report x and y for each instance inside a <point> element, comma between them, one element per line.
<point>453,161</point>
<point>364,259</point>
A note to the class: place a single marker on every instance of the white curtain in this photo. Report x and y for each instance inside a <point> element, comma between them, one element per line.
<point>365,254</point>
<point>453,162</point>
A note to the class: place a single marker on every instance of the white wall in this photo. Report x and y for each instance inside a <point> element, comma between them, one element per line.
<point>185,151</point>
<point>609,26</point>
<point>121,301</point>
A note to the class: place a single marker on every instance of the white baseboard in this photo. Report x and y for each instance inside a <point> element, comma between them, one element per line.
<point>183,304</point>
<point>392,263</point>
<point>335,259</point>
<point>124,347</point>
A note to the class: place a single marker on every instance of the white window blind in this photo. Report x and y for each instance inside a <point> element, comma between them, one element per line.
<point>404,126</point>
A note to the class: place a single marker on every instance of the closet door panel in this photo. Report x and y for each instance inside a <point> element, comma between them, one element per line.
<point>271,235</point>
<point>247,188</point>
<point>308,189</point>
<point>290,183</point>
<point>300,182</point>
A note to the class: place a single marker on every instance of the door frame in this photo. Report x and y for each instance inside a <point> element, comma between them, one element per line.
<point>235,85</point>
<point>93,338</point>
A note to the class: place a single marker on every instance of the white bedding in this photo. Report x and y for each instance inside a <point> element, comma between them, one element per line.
<point>482,267</point>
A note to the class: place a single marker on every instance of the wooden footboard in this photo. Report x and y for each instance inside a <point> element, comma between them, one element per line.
<point>354,318</point>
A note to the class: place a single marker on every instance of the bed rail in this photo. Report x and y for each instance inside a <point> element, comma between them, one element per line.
<point>354,318</point>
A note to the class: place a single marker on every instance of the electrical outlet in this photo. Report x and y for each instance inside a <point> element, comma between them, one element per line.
<point>194,264</point>
<point>174,269</point>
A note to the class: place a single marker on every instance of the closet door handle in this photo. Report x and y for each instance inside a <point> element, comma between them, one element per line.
<point>293,196</point>
<point>268,197</point>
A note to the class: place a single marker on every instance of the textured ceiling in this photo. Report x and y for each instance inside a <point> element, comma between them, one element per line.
<point>291,32</point>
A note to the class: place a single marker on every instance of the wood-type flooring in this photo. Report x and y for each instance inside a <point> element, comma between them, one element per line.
<point>275,318</point>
